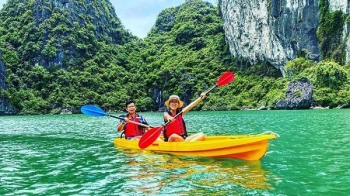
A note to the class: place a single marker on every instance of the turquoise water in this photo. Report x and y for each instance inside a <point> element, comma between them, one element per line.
<point>75,155</point>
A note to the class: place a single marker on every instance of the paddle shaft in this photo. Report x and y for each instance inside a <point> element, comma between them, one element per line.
<point>147,126</point>
<point>93,110</point>
<point>191,105</point>
<point>212,88</point>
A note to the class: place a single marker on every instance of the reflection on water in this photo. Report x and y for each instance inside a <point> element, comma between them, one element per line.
<point>151,173</point>
<point>75,155</point>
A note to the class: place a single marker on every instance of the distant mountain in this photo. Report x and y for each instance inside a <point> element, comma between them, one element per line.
<point>55,33</point>
<point>60,55</point>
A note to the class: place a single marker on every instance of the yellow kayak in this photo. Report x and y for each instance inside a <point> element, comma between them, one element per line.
<point>245,147</point>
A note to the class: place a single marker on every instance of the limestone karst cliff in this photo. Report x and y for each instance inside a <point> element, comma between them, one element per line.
<point>5,105</point>
<point>272,31</point>
<point>2,73</point>
<point>277,31</point>
<point>56,32</point>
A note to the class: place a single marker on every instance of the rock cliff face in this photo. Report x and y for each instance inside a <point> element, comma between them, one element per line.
<point>271,30</point>
<point>2,73</point>
<point>277,31</point>
<point>344,6</point>
<point>99,15</point>
<point>5,106</point>
<point>298,96</point>
<point>56,32</point>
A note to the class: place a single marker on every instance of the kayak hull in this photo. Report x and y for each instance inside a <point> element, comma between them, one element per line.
<point>245,147</point>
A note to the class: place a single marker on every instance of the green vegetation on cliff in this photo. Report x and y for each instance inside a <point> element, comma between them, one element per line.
<point>64,58</point>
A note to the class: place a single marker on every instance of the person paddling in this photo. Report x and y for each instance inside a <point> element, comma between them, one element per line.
<point>176,130</point>
<point>131,130</point>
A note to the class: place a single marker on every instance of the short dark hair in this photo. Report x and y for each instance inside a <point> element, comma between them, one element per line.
<point>128,102</point>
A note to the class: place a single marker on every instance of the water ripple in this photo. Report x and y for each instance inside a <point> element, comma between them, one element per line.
<point>74,155</point>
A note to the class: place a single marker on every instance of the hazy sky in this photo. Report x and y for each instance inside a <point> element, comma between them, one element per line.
<point>139,15</point>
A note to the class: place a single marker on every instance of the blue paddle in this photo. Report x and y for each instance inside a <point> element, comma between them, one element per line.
<point>93,110</point>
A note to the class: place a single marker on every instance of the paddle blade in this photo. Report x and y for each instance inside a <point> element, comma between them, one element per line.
<point>225,78</point>
<point>92,110</point>
<point>149,137</point>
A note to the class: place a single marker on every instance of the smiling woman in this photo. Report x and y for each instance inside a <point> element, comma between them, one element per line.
<point>151,135</point>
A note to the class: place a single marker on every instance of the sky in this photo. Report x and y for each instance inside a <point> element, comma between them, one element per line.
<point>139,15</point>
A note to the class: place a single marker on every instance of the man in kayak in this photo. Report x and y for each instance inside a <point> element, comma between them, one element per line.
<point>176,130</point>
<point>132,131</point>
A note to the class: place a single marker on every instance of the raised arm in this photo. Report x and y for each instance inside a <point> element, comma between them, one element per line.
<point>194,103</point>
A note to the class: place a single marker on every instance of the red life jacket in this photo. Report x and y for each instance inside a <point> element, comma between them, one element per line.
<point>132,130</point>
<point>178,127</point>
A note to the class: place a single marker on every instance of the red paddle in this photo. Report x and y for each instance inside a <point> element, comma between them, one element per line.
<point>151,135</point>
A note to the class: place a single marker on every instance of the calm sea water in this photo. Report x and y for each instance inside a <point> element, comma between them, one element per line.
<point>75,155</point>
